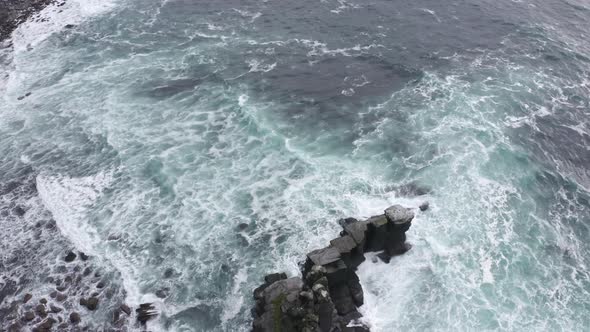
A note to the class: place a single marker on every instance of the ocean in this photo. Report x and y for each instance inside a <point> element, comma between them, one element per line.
<point>191,147</point>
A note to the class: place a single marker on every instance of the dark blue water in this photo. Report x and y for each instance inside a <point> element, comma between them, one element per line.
<point>155,128</point>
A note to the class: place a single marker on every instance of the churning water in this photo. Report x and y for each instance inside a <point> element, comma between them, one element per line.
<point>190,147</point>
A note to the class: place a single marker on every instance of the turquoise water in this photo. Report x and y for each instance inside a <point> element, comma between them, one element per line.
<point>156,129</point>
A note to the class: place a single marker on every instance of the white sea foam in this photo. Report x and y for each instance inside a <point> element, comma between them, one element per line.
<point>53,18</point>
<point>69,199</point>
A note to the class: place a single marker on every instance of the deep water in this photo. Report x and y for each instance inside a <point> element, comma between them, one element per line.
<point>190,147</point>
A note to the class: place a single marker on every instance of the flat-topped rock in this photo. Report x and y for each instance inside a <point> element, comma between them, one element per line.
<point>398,214</point>
<point>324,256</point>
<point>343,244</point>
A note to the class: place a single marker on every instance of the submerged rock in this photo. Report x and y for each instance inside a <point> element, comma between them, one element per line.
<point>327,296</point>
<point>74,318</point>
<point>424,206</point>
<point>145,312</point>
<point>70,257</point>
<point>125,308</point>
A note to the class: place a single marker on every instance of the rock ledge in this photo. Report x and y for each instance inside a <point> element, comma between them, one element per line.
<point>326,297</point>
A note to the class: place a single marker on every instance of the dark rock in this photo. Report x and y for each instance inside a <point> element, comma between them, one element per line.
<point>91,303</point>
<point>424,206</point>
<point>69,26</point>
<point>385,257</point>
<point>342,299</point>
<point>349,250</point>
<point>19,211</point>
<point>325,316</point>
<point>83,256</point>
<point>70,257</point>
<point>114,237</point>
<point>47,324</point>
<point>43,300</point>
<point>29,316</point>
<point>125,308</point>
<point>412,190</point>
<point>162,293</point>
<point>242,226</point>
<point>53,294</point>
<point>168,273</point>
<point>41,310</point>
<point>356,291</point>
<point>75,318</point>
<point>27,297</point>
<point>55,309</point>
<point>327,296</point>
<point>376,233</point>
<point>322,257</point>
<point>15,327</point>
<point>337,272</point>
<point>61,297</point>
<point>145,312</point>
<point>271,278</point>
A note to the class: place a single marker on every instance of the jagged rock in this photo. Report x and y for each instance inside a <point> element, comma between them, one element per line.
<point>349,250</point>
<point>325,316</point>
<point>145,312</point>
<point>356,290</point>
<point>342,299</point>
<point>271,278</point>
<point>337,272</point>
<point>27,297</point>
<point>326,298</point>
<point>376,233</point>
<point>83,256</point>
<point>324,256</point>
<point>357,230</point>
<point>70,257</point>
<point>125,308</point>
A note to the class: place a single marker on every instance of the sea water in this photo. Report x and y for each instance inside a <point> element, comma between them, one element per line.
<point>191,147</point>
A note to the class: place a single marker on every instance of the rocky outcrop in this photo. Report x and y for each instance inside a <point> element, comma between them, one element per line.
<point>326,297</point>
<point>14,12</point>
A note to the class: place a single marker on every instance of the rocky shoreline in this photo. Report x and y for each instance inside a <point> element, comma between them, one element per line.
<point>46,284</point>
<point>327,295</point>
<point>15,12</point>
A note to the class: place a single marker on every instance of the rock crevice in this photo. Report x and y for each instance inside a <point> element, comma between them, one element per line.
<point>327,295</point>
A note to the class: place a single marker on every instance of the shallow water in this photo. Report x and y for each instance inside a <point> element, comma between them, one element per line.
<point>154,129</point>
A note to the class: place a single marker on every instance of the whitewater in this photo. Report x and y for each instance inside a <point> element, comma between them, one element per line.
<point>191,147</point>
